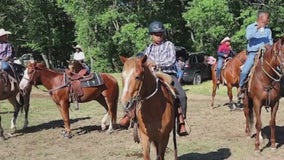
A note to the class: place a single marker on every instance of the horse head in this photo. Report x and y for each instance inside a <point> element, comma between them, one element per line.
<point>31,74</point>
<point>75,66</point>
<point>132,80</point>
<point>278,50</point>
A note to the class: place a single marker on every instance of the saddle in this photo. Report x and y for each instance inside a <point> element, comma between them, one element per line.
<point>168,81</point>
<point>75,80</point>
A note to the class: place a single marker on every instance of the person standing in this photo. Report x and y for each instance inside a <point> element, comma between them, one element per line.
<point>257,34</point>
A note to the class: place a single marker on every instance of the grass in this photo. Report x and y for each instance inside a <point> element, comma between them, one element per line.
<point>216,134</point>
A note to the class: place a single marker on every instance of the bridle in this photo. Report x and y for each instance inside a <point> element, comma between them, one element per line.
<point>137,99</point>
<point>278,72</point>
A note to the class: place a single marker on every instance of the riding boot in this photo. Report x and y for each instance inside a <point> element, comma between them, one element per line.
<point>181,124</point>
<point>124,122</point>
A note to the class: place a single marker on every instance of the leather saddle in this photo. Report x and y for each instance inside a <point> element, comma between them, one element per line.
<point>75,79</point>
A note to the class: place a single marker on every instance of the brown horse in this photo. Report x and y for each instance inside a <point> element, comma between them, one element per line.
<point>264,90</point>
<point>106,94</point>
<point>10,90</point>
<point>75,66</point>
<point>150,102</point>
<point>230,76</point>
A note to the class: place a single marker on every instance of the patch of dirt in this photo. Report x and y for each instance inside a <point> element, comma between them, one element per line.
<point>216,134</point>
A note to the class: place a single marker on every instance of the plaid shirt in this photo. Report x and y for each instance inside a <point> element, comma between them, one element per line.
<point>6,50</point>
<point>164,55</point>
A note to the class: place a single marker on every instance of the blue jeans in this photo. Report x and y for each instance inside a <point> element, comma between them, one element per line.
<point>4,65</point>
<point>247,66</point>
<point>219,66</point>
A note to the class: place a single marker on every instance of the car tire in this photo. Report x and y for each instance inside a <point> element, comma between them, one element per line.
<point>196,79</point>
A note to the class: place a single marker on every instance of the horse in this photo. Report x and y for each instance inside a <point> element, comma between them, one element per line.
<point>59,88</point>
<point>230,76</point>
<point>20,99</point>
<point>148,101</point>
<point>75,66</point>
<point>264,89</point>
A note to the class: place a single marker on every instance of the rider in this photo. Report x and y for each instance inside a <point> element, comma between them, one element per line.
<point>6,52</point>
<point>258,34</point>
<point>224,52</point>
<point>162,52</point>
<point>80,56</point>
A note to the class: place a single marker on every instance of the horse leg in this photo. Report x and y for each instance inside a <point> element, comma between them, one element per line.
<point>1,131</point>
<point>272,125</point>
<point>258,124</point>
<point>26,97</point>
<point>145,145</point>
<point>161,147</point>
<point>230,95</point>
<point>214,88</point>
<point>17,106</point>
<point>64,111</point>
<point>248,112</point>
<point>102,100</point>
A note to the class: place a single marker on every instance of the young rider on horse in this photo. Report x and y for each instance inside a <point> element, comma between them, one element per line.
<point>258,34</point>
<point>162,53</point>
<point>224,52</point>
<point>80,56</point>
<point>7,55</point>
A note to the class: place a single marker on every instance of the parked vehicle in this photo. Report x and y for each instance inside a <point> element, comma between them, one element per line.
<point>196,69</point>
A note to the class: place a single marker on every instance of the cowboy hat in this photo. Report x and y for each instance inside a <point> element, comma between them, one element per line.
<point>3,32</point>
<point>225,40</point>
<point>78,46</point>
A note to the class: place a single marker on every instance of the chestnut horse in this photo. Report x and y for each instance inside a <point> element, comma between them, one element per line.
<point>230,76</point>
<point>264,90</point>
<point>106,94</point>
<point>150,102</point>
<point>10,90</point>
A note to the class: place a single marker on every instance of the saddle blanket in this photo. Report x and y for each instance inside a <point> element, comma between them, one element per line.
<point>96,81</point>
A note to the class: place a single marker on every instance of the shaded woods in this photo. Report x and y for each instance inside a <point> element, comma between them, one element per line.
<point>108,28</point>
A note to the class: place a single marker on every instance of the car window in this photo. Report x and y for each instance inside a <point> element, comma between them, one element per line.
<point>200,58</point>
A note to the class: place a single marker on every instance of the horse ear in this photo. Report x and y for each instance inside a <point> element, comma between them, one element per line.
<point>122,59</point>
<point>277,46</point>
<point>144,59</point>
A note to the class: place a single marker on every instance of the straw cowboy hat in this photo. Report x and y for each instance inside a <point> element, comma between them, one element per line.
<point>78,46</point>
<point>3,32</point>
<point>225,40</point>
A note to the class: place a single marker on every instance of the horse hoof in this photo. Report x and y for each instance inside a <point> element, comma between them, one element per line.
<point>110,131</point>
<point>2,138</point>
<point>66,134</point>
<point>257,152</point>
<point>273,149</point>
<point>103,127</point>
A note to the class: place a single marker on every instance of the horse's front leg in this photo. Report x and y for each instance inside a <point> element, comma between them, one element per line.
<point>230,95</point>
<point>145,145</point>
<point>64,110</point>
<point>16,106</point>
<point>258,125</point>
<point>272,125</point>
<point>1,131</point>
<point>247,115</point>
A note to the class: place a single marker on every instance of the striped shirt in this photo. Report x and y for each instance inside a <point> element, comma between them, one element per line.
<point>164,55</point>
<point>6,50</point>
<point>257,37</point>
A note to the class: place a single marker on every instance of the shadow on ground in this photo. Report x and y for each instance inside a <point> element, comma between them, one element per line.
<point>220,154</point>
<point>49,125</point>
<point>279,131</point>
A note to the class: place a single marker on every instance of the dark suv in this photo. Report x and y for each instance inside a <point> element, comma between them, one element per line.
<point>196,69</point>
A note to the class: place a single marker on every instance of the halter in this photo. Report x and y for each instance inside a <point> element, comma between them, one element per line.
<point>278,73</point>
<point>138,98</point>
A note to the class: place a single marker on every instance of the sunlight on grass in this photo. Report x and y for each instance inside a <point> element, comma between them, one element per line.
<point>205,88</point>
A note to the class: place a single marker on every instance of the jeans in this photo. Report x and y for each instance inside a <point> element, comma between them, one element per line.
<point>181,95</point>
<point>4,65</point>
<point>247,66</point>
<point>219,66</point>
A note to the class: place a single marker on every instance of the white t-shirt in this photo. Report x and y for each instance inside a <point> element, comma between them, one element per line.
<point>79,56</point>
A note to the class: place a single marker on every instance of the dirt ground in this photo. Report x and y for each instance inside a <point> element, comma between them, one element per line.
<point>216,134</point>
